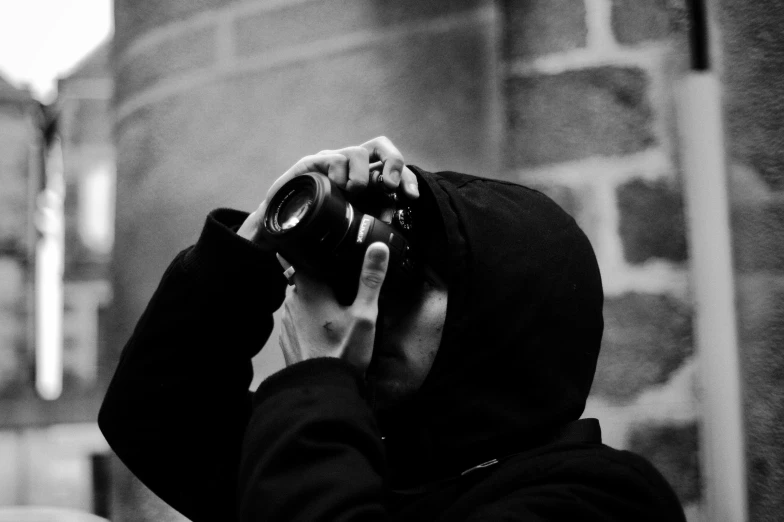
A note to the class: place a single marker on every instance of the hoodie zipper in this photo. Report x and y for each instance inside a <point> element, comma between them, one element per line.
<point>480,466</point>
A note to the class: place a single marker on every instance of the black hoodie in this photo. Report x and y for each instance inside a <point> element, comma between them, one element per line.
<point>491,435</point>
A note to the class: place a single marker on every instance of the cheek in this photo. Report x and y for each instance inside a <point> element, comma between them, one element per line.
<point>436,314</point>
<point>431,357</point>
<point>429,330</point>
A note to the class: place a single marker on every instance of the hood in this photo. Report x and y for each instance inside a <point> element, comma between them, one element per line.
<point>522,332</point>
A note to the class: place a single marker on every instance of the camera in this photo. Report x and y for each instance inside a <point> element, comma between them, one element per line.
<point>313,225</point>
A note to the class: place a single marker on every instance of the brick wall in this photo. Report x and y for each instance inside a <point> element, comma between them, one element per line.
<point>588,87</point>
<point>753,69</point>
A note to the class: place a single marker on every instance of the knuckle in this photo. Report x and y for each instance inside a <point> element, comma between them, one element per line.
<point>408,177</point>
<point>364,317</point>
<point>333,158</point>
<point>376,145</point>
<point>356,184</point>
<point>396,160</point>
<point>372,278</point>
<point>340,159</point>
<point>362,360</point>
<point>356,151</point>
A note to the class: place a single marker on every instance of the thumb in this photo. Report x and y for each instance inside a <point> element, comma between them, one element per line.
<point>374,269</point>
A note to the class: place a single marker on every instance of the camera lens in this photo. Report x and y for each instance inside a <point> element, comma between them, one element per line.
<point>294,208</point>
<point>311,223</point>
<point>292,205</point>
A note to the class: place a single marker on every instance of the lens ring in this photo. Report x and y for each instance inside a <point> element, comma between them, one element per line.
<point>292,207</point>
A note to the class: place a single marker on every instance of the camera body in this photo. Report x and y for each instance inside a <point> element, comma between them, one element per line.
<point>313,225</point>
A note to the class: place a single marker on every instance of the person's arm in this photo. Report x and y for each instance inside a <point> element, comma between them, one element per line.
<point>178,405</point>
<point>312,450</point>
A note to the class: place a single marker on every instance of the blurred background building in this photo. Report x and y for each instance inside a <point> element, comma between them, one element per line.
<point>196,105</point>
<point>61,153</point>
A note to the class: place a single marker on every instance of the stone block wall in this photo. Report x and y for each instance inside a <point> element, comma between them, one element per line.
<point>589,93</point>
<point>752,65</point>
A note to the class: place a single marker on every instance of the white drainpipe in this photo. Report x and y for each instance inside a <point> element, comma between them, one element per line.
<point>703,160</point>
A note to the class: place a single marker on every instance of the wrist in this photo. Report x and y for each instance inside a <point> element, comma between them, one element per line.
<point>315,372</point>
<point>250,230</point>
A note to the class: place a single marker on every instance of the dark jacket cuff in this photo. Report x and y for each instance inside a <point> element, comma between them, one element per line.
<point>229,261</point>
<point>317,373</point>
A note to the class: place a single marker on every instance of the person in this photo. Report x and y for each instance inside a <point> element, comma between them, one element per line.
<point>460,400</point>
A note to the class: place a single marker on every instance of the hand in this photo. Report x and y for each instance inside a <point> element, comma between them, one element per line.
<point>349,169</point>
<point>314,324</point>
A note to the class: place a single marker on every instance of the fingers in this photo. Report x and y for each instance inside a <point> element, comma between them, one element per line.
<point>349,168</point>
<point>334,165</point>
<point>374,270</point>
<point>395,173</point>
<point>357,172</point>
<point>381,148</point>
<point>410,183</point>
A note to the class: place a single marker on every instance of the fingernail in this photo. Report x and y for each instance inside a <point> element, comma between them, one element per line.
<point>412,187</point>
<point>395,175</point>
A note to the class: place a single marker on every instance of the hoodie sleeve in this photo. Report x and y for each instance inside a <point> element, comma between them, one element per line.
<point>177,407</point>
<point>312,449</point>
